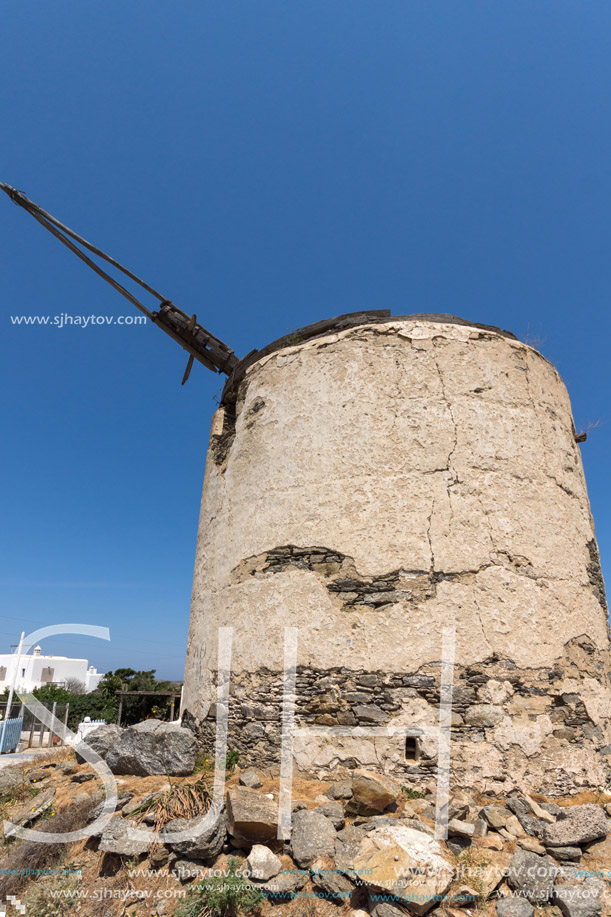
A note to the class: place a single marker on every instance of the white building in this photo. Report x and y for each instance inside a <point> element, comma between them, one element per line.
<point>37,670</point>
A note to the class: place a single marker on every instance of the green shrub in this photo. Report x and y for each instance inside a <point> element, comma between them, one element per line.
<point>225,896</point>
<point>412,794</point>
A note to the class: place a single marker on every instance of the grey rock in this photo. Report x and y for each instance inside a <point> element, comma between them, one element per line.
<point>514,907</point>
<point>534,827</point>
<point>115,838</point>
<point>82,778</point>
<point>159,857</point>
<point>417,825</point>
<point>551,807</point>
<point>262,863</point>
<point>251,779</point>
<point>334,812</point>
<point>384,909</point>
<point>187,870</point>
<point>577,825</point>
<point>39,774</point>
<point>312,836</point>
<point>578,900</point>
<point>32,810</point>
<point>565,854</point>
<point>370,713</point>
<point>12,779</point>
<point>532,876</point>
<point>340,790</point>
<point>205,845</point>
<point>370,822</point>
<point>330,880</point>
<point>100,741</point>
<point>283,886</point>
<point>153,747</point>
<point>123,800</point>
<point>347,845</point>
<point>458,828</point>
<point>459,810</point>
<point>495,816</point>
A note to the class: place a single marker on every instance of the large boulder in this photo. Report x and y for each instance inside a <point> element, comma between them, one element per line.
<point>577,825</point>
<point>251,817</point>
<point>372,792</point>
<point>532,876</point>
<point>100,741</point>
<point>202,845</point>
<point>312,836</point>
<point>405,863</point>
<point>153,747</point>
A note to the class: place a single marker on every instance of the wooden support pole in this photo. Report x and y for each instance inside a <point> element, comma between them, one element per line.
<point>51,732</point>
<point>172,709</point>
<point>65,724</point>
<point>41,736</point>
<point>31,739</point>
<point>120,710</point>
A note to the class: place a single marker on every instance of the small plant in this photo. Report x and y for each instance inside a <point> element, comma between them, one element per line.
<point>53,897</point>
<point>411,793</point>
<point>226,896</point>
<point>204,764</point>
<point>291,340</point>
<point>21,792</point>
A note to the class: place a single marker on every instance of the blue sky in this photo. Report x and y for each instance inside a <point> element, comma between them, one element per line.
<point>266,164</point>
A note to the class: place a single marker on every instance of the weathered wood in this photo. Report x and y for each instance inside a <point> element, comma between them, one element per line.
<point>51,732</point>
<point>65,725</point>
<point>184,329</point>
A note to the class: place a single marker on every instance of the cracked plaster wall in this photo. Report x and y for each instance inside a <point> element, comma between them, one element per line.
<point>433,464</point>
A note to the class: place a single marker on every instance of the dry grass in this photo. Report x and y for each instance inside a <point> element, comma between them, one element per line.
<point>182,800</point>
<point>24,856</point>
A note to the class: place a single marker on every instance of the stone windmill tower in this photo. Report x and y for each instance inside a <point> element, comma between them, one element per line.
<point>370,481</point>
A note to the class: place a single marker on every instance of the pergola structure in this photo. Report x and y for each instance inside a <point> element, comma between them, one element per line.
<point>172,694</point>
